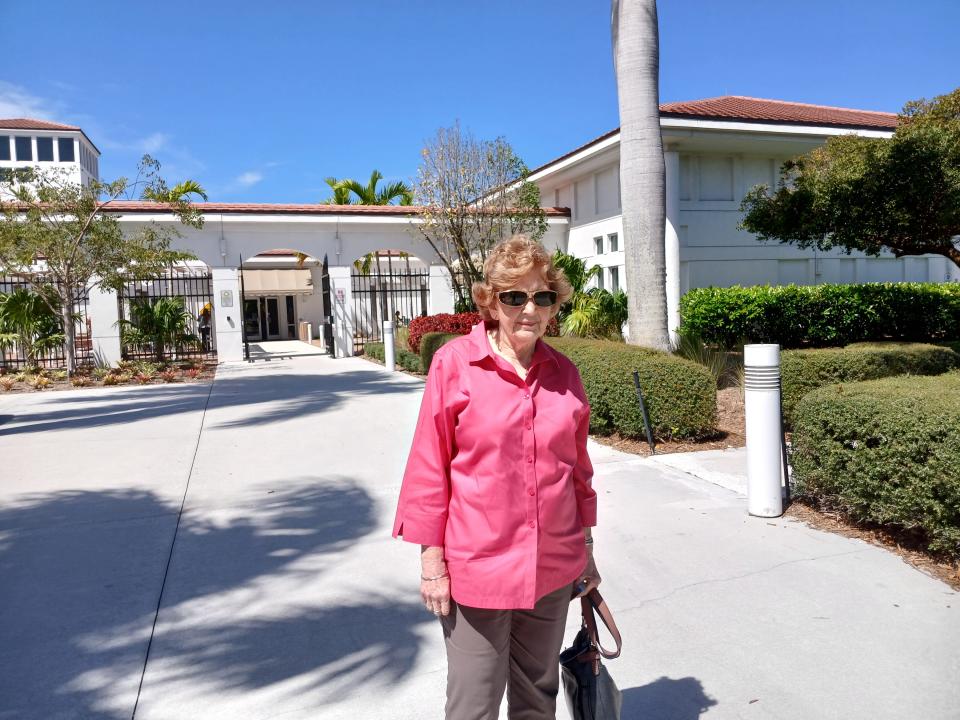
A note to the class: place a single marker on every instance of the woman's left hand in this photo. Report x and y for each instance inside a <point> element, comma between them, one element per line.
<point>590,576</point>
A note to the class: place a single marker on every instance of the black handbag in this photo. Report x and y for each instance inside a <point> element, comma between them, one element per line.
<point>590,691</point>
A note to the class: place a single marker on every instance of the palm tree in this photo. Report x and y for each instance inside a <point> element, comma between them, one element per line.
<point>157,325</point>
<point>368,194</point>
<point>29,321</point>
<point>636,59</point>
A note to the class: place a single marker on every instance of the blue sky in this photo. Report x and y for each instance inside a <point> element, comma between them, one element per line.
<point>260,101</point>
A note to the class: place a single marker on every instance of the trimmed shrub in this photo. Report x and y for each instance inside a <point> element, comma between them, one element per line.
<point>885,451</point>
<point>805,370</point>
<point>681,396</point>
<point>404,358</point>
<point>822,315</point>
<point>429,344</point>
<point>458,324</point>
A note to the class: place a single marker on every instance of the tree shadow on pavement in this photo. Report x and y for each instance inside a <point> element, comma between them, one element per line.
<point>270,398</point>
<point>81,575</point>
<point>666,699</point>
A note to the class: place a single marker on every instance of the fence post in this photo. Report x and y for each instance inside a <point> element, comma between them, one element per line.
<point>441,293</point>
<point>104,312</point>
<point>341,295</point>
<point>227,314</point>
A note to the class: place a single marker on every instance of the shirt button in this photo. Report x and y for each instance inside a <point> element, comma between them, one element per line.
<point>528,426</point>
<point>530,492</point>
<point>532,523</point>
<point>530,460</point>
<point>526,397</point>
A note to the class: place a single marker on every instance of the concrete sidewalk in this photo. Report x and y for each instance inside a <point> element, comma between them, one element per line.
<point>286,596</point>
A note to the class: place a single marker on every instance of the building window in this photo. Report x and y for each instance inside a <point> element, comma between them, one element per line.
<point>614,279</point>
<point>4,147</point>
<point>614,240</point>
<point>598,245</point>
<point>66,149</point>
<point>24,148</point>
<point>600,284</point>
<point>45,149</point>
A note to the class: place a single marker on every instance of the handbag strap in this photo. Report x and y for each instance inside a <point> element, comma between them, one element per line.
<point>594,600</point>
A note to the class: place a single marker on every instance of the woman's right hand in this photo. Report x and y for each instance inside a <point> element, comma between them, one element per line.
<point>435,593</point>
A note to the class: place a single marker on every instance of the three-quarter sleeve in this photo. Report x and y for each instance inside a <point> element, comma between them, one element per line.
<point>425,493</point>
<point>583,472</point>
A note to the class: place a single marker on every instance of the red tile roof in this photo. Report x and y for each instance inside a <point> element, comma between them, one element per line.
<point>31,124</point>
<point>737,107</point>
<point>140,206</point>
<point>748,109</point>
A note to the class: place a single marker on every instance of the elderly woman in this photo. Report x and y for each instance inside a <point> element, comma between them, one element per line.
<point>497,492</point>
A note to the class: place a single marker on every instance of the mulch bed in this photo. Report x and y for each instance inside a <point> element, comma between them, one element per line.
<point>206,373</point>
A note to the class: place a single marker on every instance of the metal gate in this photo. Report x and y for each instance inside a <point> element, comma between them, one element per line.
<point>398,295</point>
<point>327,308</point>
<point>193,287</point>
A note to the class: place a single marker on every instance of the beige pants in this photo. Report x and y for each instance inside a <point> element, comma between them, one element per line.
<point>490,649</point>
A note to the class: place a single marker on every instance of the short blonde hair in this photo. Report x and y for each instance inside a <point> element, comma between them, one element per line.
<point>509,261</point>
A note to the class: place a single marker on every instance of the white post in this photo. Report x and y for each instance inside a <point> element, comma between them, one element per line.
<point>227,314</point>
<point>764,430</point>
<point>441,293</point>
<point>672,240</point>
<point>389,356</point>
<point>342,311</point>
<point>104,331</point>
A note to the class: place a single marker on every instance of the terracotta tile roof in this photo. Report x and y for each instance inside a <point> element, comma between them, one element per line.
<point>737,107</point>
<point>748,109</point>
<point>140,206</point>
<point>31,124</point>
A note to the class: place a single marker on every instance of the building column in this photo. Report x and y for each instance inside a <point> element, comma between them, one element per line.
<point>441,292</point>
<point>342,299</point>
<point>672,240</point>
<point>104,312</point>
<point>227,314</point>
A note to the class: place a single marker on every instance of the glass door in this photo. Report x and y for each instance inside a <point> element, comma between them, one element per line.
<point>273,318</point>
<point>251,318</point>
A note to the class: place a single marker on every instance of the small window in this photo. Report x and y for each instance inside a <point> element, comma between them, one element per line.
<point>45,149</point>
<point>24,148</point>
<point>598,245</point>
<point>600,284</point>
<point>614,240</point>
<point>4,147</point>
<point>66,149</point>
<point>614,279</point>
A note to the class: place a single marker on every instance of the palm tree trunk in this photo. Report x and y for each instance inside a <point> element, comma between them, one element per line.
<point>636,57</point>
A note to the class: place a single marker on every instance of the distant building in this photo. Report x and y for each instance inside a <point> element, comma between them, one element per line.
<point>26,143</point>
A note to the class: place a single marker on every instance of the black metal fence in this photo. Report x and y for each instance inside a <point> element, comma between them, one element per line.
<point>193,285</point>
<point>13,356</point>
<point>390,292</point>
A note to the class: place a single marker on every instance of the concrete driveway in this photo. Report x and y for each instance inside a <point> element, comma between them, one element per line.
<point>281,593</point>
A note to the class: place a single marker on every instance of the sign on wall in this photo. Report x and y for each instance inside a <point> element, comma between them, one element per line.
<point>226,298</point>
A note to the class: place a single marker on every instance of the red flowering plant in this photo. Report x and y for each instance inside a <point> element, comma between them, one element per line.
<point>455,324</point>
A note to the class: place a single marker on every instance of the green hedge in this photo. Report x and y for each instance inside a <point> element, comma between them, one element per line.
<point>822,315</point>
<point>430,343</point>
<point>681,396</point>
<point>404,358</point>
<point>885,451</point>
<point>805,370</point>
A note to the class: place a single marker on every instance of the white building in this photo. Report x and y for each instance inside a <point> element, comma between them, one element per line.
<point>26,143</point>
<point>715,151</point>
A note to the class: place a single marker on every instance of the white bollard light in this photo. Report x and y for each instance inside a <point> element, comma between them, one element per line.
<point>388,353</point>
<point>761,399</point>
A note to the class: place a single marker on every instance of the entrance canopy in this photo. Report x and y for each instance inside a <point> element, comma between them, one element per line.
<point>276,282</point>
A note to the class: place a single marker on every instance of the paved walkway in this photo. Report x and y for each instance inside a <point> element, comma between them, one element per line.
<point>286,598</point>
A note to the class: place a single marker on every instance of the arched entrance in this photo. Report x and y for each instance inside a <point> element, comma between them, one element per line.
<point>285,299</point>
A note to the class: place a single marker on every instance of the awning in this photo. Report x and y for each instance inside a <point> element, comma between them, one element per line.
<point>276,282</point>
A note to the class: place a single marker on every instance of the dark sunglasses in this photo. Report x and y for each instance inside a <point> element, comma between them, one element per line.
<point>518,298</point>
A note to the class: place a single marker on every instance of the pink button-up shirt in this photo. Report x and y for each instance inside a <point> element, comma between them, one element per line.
<point>499,475</point>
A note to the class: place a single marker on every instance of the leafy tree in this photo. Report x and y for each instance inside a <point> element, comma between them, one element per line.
<point>636,59</point>
<point>590,312</point>
<point>900,194</point>
<point>56,230</point>
<point>158,324</point>
<point>28,320</point>
<point>472,194</point>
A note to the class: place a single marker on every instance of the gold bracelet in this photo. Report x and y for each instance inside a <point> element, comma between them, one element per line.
<point>438,577</point>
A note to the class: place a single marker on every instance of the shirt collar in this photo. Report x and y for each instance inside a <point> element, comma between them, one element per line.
<point>480,346</point>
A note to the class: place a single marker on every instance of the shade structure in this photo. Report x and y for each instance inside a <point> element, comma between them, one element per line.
<point>277,282</point>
